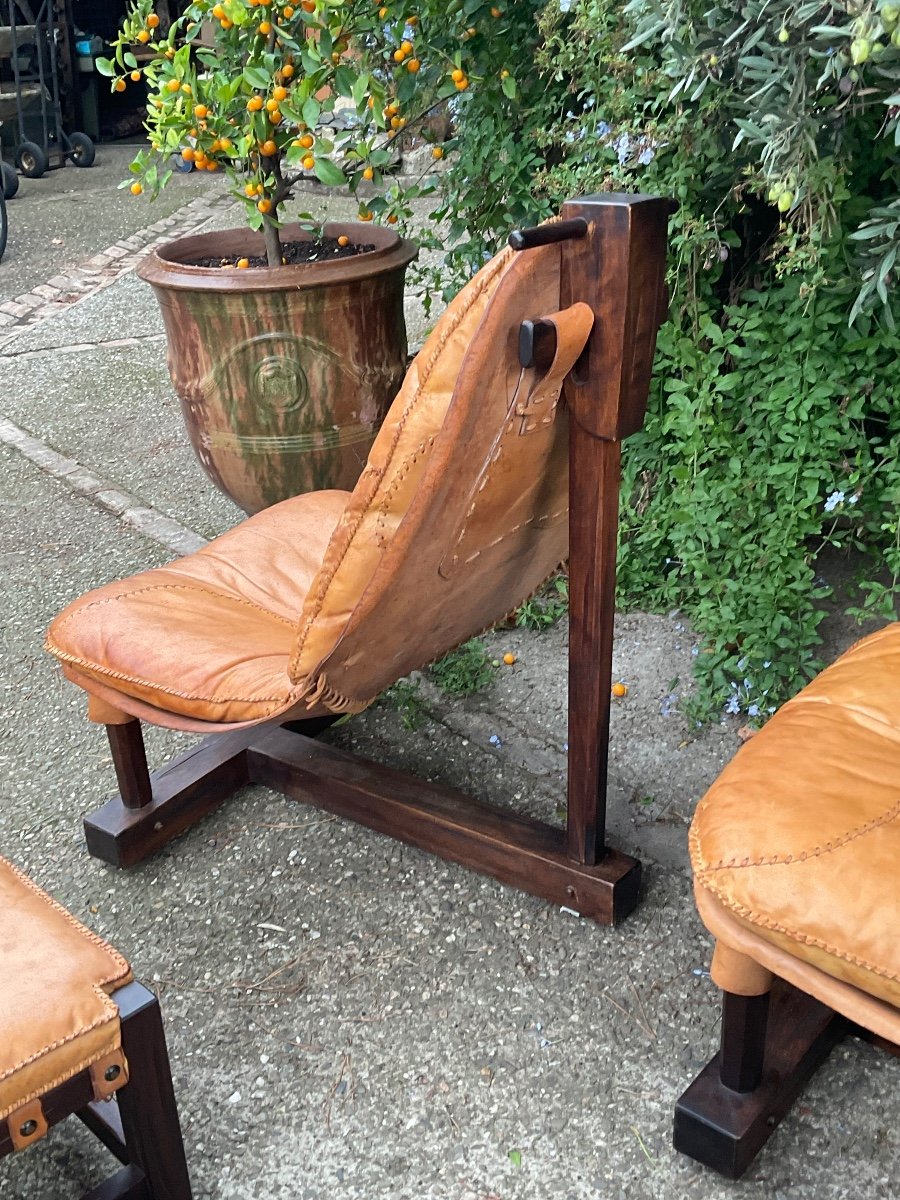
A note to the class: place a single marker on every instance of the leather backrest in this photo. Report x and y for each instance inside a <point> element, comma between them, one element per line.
<point>461,512</point>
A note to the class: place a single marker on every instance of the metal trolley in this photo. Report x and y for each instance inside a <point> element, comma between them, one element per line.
<point>29,44</point>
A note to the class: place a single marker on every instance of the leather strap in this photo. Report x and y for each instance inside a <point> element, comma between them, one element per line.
<point>109,1074</point>
<point>27,1124</point>
<point>573,328</point>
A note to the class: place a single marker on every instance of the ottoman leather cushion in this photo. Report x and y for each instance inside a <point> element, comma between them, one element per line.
<point>56,1015</point>
<point>799,838</point>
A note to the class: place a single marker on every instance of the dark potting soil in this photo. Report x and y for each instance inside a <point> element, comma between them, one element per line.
<point>322,250</point>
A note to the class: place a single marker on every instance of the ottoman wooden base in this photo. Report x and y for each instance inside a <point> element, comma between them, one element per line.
<point>140,1125</point>
<point>725,1128</point>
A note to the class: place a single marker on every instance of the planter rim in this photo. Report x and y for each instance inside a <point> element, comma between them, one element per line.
<point>166,265</point>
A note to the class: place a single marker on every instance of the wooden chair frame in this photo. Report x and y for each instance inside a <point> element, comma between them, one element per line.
<point>139,1125</point>
<point>613,256</point>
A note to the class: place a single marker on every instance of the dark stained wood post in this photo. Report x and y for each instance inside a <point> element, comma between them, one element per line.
<point>618,267</point>
<point>742,1047</point>
<point>126,743</point>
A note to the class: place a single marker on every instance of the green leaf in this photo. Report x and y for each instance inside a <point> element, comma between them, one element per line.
<point>509,86</point>
<point>105,66</point>
<point>257,78</point>
<point>515,1157</point>
<point>311,110</point>
<point>329,173</point>
<point>343,82</point>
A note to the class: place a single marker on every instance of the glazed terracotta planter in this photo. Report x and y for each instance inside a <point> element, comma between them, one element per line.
<point>284,374</point>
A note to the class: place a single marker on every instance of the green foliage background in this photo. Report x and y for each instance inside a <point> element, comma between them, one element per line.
<point>772,430</point>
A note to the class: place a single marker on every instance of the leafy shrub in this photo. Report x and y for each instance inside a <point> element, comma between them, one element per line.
<point>771,431</point>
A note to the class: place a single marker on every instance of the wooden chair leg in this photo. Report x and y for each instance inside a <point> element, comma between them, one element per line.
<point>742,1045</point>
<point>730,1110</point>
<point>130,761</point>
<point>150,1125</point>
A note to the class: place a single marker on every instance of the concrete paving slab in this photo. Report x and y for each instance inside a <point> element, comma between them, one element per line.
<point>117,406</point>
<point>126,308</point>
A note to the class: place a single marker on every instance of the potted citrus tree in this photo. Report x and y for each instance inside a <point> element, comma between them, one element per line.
<point>286,343</point>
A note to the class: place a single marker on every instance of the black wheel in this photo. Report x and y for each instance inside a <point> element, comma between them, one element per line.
<point>31,160</point>
<point>10,181</point>
<point>4,229</point>
<point>82,148</point>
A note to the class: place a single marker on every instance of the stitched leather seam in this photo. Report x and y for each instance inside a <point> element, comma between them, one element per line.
<point>320,690</point>
<point>275,702</point>
<point>796,936</point>
<point>65,1076</point>
<point>122,967</point>
<point>775,861</point>
<point>177,587</point>
<point>509,532</point>
<point>500,261</point>
<point>398,480</point>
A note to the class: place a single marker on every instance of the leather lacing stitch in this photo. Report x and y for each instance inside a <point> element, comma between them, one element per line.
<point>754,918</point>
<point>97,669</point>
<point>399,477</point>
<point>171,587</point>
<point>276,702</point>
<point>885,818</point>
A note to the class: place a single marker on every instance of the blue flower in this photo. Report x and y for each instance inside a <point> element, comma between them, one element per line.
<point>833,501</point>
<point>602,129</point>
<point>753,710</point>
<point>646,157</point>
<point>733,706</point>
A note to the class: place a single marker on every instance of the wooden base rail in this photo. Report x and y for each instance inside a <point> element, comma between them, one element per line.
<point>524,853</point>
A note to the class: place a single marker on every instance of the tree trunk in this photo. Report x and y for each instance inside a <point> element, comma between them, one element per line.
<point>273,243</point>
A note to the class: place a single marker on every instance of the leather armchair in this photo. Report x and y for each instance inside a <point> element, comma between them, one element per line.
<point>496,459</point>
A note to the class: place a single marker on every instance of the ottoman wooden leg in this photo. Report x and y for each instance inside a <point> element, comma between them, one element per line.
<point>729,1112</point>
<point>142,1129</point>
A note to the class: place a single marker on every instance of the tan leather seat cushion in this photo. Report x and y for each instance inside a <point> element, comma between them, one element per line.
<point>210,635</point>
<point>799,837</point>
<point>56,1017</point>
